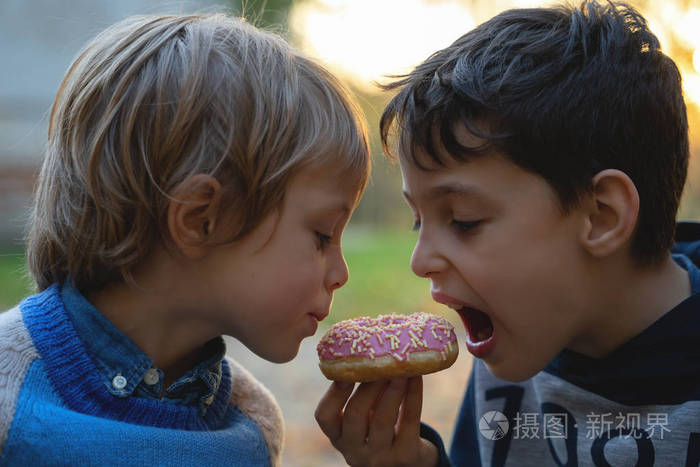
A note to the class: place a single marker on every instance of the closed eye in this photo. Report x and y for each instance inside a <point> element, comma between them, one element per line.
<point>465,226</point>
<point>323,239</point>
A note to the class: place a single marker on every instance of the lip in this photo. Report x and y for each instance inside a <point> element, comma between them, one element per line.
<point>480,349</point>
<point>446,299</point>
<point>321,314</point>
<point>313,326</point>
<point>316,317</point>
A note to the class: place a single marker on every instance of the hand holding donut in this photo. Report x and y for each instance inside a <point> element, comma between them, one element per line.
<point>380,423</point>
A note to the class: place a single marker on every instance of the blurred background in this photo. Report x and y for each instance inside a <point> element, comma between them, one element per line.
<point>362,41</point>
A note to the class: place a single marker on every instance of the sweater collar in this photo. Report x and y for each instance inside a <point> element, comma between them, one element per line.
<point>76,378</point>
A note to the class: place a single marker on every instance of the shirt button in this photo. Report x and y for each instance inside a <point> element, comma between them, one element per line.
<point>119,382</point>
<point>151,377</point>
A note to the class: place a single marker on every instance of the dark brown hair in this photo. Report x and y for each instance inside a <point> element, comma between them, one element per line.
<point>564,92</point>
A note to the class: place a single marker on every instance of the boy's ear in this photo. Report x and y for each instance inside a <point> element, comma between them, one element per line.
<point>612,216</point>
<point>192,214</point>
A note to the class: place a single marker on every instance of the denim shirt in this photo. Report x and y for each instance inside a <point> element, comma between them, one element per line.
<point>127,371</point>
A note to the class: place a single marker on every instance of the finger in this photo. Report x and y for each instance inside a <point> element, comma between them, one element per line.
<point>381,430</point>
<point>376,401</point>
<point>409,416</point>
<point>357,413</point>
<point>329,412</point>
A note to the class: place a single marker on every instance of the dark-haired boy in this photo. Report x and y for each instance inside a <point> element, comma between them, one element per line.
<point>544,155</point>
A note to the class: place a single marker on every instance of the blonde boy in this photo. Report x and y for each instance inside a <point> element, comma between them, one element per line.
<point>198,178</point>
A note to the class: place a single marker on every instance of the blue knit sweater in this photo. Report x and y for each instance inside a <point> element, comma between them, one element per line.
<point>54,409</point>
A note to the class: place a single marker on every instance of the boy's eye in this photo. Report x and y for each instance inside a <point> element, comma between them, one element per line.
<point>465,226</point>
<point>416,225</point>
<point>323,239</point>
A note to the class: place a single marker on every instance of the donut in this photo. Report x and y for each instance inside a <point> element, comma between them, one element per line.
<point>388,346</point>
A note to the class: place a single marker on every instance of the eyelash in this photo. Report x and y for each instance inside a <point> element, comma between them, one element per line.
<point>465,226</point>
<point>459,225</point>
<point>323,239</point>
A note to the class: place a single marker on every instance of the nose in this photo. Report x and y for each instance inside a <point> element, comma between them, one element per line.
<point>426,259</point>
<point>337,274</point>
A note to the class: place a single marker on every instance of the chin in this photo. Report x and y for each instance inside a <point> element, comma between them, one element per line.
<point>510,374</point>
<point>279,355</point>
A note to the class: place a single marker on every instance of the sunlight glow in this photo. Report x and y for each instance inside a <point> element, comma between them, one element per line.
<point>366,40</point>
<point>678,30</point>
<point>686,27</point>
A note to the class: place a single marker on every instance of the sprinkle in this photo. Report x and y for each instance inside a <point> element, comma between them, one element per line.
<point>394,341</point>
<point>393,334</point>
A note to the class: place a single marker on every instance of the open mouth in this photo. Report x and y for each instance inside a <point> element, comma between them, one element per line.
<point>478,324</point>
<point>481,334</point>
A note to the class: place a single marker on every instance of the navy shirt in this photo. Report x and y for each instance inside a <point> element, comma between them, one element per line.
<point>642,401</point>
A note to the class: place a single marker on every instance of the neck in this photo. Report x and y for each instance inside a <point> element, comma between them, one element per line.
<point>156,318</point>
<point>624,309</point>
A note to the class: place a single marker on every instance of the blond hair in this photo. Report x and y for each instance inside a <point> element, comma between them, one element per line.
<point>153,100</point>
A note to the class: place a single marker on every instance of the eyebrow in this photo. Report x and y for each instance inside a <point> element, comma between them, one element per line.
<point>340,207</point>
<point>449,189</point>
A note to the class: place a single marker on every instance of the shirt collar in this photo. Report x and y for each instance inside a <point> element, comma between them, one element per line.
<point>657,347</point>
<point>123,366</point>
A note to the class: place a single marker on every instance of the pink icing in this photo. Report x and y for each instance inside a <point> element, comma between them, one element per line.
<point>395,335</point>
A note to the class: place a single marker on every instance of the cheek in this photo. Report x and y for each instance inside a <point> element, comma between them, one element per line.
<point>524,283</point>
<point>537,309</point>
<point>533,255</point>
<point>298,277</point>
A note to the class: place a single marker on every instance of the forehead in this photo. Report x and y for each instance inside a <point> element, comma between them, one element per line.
<point>489,177</point>
<point>327,184</point>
